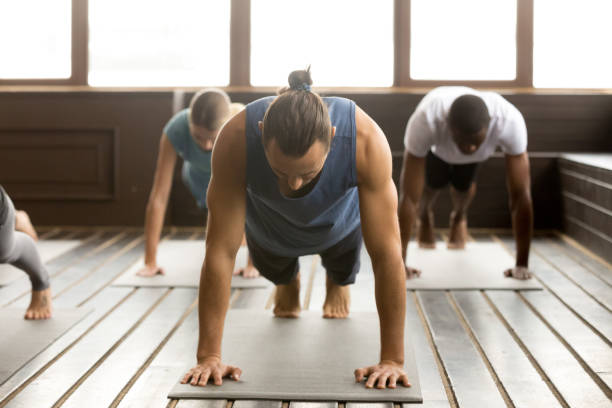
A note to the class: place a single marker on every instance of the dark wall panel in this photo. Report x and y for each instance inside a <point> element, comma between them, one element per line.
<point>103,173</point>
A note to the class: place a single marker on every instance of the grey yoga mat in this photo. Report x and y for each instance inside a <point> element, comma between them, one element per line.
<point>182,263</point>
<point>304,359</point>
<point>47,249</point>
<point>22,340</point>
<point>478,266</point>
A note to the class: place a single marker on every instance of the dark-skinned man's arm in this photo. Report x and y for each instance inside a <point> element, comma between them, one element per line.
<point>412,181</point>
<point>519,192</point>
<point>380,227</point>
<point>226,217</point>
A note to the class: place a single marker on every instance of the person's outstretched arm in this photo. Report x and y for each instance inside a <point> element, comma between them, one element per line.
<point>519,192</point>
<point>156,206</point>
<point>412,180</point>
<point>380,227</point>
<point>226,217</point>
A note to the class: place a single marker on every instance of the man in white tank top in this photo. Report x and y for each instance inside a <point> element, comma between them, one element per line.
<point>452,131</point>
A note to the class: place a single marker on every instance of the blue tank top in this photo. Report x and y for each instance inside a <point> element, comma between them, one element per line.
<point>310,224</point>
<point>196,162</point>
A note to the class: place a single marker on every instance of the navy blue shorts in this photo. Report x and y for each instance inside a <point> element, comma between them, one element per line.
<point>341,261</point>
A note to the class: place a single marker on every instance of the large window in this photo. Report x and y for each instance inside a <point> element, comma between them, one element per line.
<point>572,44</point>
<point>158,42</point>
<point>347,42</point>
<point>35,39</point>
<point>463,40</point>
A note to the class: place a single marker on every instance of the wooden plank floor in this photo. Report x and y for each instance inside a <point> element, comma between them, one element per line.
<point>473,349</point>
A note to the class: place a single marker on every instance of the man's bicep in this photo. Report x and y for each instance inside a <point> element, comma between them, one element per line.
<point>226,213</point>
<point>517,169</point>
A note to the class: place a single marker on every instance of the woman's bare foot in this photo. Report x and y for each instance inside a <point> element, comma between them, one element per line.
<point>23,224</point>
<point>287,299</point>
<point>337,301</point>
<point>425,234</point>
<point>40,305</point>
<point>457,235</point>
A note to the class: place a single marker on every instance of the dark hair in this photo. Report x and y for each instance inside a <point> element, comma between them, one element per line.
<point>469,114</point>
<point>297,118</point>
<point>209,108</point>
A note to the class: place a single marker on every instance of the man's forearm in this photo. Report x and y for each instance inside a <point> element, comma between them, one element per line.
<point>215,283</point>
<point>407,216</point>
<point>390,291</point>
<point>522,222</point>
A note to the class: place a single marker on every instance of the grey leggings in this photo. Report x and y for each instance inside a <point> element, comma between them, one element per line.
<point>19,249</point>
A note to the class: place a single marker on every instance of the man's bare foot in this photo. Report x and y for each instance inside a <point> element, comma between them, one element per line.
<point>40,305</point>
<point>23,224</point>
<point>458,232</point>
<point>287,299</point>
<point>337,301</point>
<point>425,234</point>
<point>150,270</point>
<point>249,271</point>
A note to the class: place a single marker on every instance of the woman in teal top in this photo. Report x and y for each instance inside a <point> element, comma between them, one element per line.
<point>191,134</point>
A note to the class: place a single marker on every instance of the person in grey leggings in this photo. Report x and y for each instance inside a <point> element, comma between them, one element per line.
<point>18,249</point>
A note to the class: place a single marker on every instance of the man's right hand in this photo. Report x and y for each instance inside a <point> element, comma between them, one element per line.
<point>150,270</point>
<point>412,272</point>
<point>211,368</point>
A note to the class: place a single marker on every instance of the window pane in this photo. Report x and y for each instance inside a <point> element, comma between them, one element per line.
<point>463,40</point>
<point>35,39</point>
<point>348,42</point>
<point>572,44</point>
<point>158,43</point>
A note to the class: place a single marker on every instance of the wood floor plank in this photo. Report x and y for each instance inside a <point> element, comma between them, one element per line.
<point>590,283</point>
<point>151,388</point>
<point>507,359</point>
<point>371,405</point>
<point>594,264</point>
<point>573,297</point>
<point>51,385</point>
<point>257,404</point>
<point>73,274</point>
<point>100,305</point>
<point>432,388</point>
<point>572,382</point>
<point>55,267</point>
<point>472,383</point>
<point>595,352</point>
<point>201,404</point>
<point>102,277</point>
<point>107,381</point>
<point>300,404</point>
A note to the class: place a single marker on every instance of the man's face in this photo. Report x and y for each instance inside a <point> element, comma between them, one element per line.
<point>204,138</point>
<point>468,144</point>
<point>293,172</point>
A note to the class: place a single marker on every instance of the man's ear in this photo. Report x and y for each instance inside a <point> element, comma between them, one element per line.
<point>260,125</point>
<point>333,132</point>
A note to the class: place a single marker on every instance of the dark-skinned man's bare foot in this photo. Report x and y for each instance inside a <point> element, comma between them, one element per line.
<point>23,224</point>
<point>425,231</point>
<point>287,299</point>
<point>337,301</point>
<point>40,305</point>
<point>457,235</point>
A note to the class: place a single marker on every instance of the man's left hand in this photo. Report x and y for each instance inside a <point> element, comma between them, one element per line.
<point>384,374</point>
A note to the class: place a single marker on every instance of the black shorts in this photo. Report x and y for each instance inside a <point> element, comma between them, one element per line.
<point>439,173</point>
<point>341,261</point>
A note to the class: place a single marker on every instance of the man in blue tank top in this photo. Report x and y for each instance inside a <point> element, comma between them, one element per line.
<point>303,175</point>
